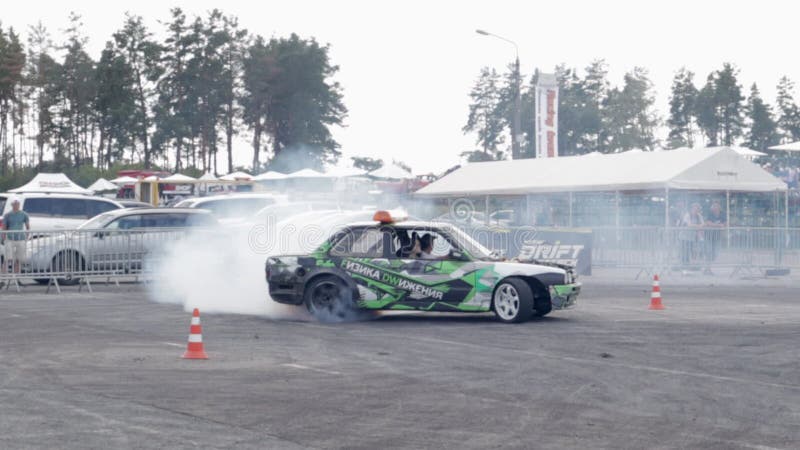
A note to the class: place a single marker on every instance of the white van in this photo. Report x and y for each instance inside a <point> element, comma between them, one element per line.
<point>58,211</point>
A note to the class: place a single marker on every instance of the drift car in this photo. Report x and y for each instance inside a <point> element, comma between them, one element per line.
<point>377,265</point>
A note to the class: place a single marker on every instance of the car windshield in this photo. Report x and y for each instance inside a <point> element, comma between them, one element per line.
<point>467,243</point>
<point>99,221</point>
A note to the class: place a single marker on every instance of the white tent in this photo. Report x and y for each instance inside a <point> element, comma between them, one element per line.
<point>178,178</point>
<point>124,180</point>
<point>391,172</point>
<point>236,176</point>
<point>208,176</point>
<point>790,147</point>
<point>268,176</point>
<point>306,173</point>
<point>53,183</point>
<point>719,168</point>
<point>102,185</point>
<point>748,152</point>
<point>151,178</point>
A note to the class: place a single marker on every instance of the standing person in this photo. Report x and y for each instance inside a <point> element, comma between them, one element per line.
<point>679,218</point>
<point>715,221</point>
<point>15,221</point>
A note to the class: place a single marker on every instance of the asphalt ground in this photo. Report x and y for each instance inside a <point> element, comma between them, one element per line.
<point>717,369</point>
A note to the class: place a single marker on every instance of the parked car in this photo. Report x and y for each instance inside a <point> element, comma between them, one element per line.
<point>134,204</point>
<point>57,211</point>
<point>232,208</point>
<point>113,241</point>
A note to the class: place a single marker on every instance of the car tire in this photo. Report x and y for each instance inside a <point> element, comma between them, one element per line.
<point>512,301</point>
<point>541,302</point>
<point>330,300</point>
<point>60,262</point>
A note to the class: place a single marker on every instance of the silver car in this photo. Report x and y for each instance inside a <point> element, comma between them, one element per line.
<point>113,242</point>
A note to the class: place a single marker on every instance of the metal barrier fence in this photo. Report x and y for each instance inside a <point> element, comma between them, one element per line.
<point>64,257</point>
<point>742,249</point>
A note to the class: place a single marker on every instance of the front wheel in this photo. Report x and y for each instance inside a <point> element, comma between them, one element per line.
<point>513,301</point>
<point>330,300</point>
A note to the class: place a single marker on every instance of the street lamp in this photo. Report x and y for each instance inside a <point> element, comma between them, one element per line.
<point>516,125</point>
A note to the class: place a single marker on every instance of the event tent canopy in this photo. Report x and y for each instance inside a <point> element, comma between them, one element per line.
<point>178,178</point>
<point>268,176</point>
<point>208,176</point>
<point>718,168</point>
<point>124,180</point>
<point>102,185</point>
<point>306,173</point>
<point>52,183</point>
<point>236,176</point>
<point>790,147</point>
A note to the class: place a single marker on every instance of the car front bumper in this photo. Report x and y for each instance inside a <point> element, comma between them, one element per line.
<point>564,296</point>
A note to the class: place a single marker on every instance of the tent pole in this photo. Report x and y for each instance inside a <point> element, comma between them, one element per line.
<point>486,210</point>
<point>728,216</point>
<point>528,218</point>
<point>570,209</point>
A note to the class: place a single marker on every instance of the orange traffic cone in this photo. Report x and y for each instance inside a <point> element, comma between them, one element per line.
<point>195,348</point>
<point>655,296</point>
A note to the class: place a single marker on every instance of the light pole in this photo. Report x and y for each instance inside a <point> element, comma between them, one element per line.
<point>516,125</point>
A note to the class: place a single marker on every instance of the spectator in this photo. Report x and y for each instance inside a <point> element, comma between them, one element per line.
<point>715,221</point>
<point>15,221</point>
<point>691,235</point>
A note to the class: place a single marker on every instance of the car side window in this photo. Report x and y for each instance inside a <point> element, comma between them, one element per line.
<point>364,242</point>
<point>200,220</point>
<point>173,220</point>
<point>96,207</point>
<point>403,243</point>
<point>41,207</point>
<point>126,223</point>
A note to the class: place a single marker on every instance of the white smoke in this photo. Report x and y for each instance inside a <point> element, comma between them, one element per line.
<point>222,270</point>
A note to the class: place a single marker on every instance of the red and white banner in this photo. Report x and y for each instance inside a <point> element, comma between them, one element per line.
<point>547,116</point>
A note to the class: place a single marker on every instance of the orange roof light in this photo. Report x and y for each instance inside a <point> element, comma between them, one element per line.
<point>386,216</point>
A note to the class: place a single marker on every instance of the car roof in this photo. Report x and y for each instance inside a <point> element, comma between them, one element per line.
<point>54,195</point>
<point>128,211</point>
<point>237,195</point>
<point>403,224</point>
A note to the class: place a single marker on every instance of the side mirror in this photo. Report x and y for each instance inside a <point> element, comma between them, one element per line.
<point>100,234</point>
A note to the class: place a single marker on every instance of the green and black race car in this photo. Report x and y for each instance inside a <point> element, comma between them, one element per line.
<point>378,266</point>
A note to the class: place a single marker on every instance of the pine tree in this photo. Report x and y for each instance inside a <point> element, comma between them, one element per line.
<point>682,110</point>
<point>485,117</point>
<point>142,54</point>
<point>630,115</point>
<point>12,63</point>
<point>788,111</point>
<point>571,110</point>
<point>762,131</point>
<point>706,110</point>
<point>730,102</point>
<point>595,121</point>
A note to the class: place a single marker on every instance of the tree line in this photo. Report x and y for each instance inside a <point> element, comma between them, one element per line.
<point>175,103</point>
<point>595,116</point>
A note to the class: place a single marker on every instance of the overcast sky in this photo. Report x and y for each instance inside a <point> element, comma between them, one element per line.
<point>407,67</point>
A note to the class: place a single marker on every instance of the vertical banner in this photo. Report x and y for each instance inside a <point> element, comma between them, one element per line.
<point>547,116</point>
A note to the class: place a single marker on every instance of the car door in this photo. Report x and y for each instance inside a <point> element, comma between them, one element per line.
<point>122,243</point>
<point>435,284</point>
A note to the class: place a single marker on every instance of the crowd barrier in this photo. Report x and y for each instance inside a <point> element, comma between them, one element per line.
<point>66,257</point>
<point>664,249</point>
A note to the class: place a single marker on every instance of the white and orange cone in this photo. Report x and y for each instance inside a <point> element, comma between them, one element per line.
<point>655,296</point>
<point>194,350</point>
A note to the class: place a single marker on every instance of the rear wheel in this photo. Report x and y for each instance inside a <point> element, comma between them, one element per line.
<point>68,261</point>
<point>329,299</point>
<point>513,301</point>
